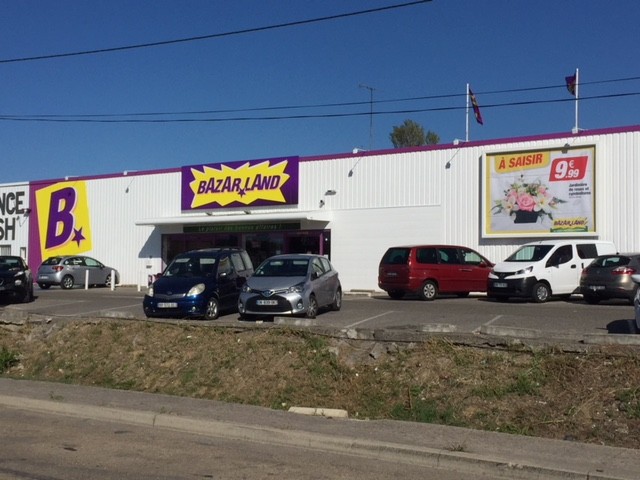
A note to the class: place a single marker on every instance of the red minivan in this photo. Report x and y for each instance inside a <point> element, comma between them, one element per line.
<point>428,270</point>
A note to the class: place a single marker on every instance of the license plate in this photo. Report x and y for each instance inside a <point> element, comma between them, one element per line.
<point>266,302</point>
<point>596,287</point>
<point>167,305</point>
<point>43,277</point>
<point>392,274</point>
<point>499,284</point>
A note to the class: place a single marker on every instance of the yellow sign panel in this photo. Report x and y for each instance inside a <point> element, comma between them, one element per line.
<point>63,219</point>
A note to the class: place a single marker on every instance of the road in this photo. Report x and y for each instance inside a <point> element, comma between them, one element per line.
<point>571,318</point>
<point>62,431</point>
<point>43,446</point>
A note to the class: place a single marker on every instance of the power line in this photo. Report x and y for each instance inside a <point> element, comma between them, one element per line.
<point>300,117</point>
<point>370,103</point>
<point>215,35</point>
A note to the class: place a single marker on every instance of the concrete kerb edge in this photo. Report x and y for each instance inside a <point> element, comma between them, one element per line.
<point>431,457</point>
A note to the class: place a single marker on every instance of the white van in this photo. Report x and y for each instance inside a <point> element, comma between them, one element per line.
<point>538,270</point>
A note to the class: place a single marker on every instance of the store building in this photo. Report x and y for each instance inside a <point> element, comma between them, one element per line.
<point>351,206</point>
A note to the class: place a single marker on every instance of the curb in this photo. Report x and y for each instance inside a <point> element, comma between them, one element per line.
<point>321,412</point>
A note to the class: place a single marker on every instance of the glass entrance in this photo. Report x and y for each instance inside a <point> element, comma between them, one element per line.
<point>259,245</point>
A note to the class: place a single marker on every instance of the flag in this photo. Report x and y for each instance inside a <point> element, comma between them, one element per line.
<point>476,108</point>
<point>571,84</point>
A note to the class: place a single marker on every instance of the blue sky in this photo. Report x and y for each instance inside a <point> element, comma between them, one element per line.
<point>403,54</point>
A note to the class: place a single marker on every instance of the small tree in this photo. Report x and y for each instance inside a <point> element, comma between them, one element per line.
<point>411,134</point>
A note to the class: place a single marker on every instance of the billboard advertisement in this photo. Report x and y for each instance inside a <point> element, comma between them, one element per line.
<point>543,192</point>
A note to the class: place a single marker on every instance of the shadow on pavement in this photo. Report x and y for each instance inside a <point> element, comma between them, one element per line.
<point>627,326</point>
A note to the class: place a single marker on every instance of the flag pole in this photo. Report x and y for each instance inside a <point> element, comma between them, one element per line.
<point>466,138</point>
<point>576,129</point>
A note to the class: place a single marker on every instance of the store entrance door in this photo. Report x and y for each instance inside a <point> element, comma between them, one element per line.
<point>261,246</point>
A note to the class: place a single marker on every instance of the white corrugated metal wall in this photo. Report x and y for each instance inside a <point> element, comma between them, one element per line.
<point>115,204</point>
<point>424,196</point>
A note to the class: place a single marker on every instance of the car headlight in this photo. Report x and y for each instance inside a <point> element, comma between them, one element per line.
<point>246,288</point>
<point>529,269</point>
<point>296,288</point>
<point>150,291</point>
<point>196,290</point>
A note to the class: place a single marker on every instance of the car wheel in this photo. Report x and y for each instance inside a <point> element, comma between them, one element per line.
<point>67,282</point>
<point>213,309</point>
<point>592,299</point>
<point>44,286</point>
<point>337,300</point>
<point>396,294</point>
<point>429,290</point>
<point>633,295</point>
<point>541,292</point>
<point>312,309</point>
<point>28,295</point>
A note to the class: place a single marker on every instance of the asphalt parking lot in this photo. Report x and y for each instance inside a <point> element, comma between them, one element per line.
<point>571,319</point>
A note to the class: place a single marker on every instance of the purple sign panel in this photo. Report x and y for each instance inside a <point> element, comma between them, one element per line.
<point>239,184</point>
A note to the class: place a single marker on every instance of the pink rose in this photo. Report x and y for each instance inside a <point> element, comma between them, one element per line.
<point>526,202</point>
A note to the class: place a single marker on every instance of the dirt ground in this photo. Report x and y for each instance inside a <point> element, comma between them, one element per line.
<point>587,396</point>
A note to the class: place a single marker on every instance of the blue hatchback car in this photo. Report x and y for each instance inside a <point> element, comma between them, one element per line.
<point>199,284</point>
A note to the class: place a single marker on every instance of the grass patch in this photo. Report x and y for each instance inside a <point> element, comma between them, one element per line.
<point>8,359</point>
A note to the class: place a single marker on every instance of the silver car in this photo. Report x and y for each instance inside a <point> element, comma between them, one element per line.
<point>295,284</point>
<point>71,270</point>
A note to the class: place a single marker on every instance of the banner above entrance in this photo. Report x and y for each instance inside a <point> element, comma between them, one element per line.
<point>227,185</point>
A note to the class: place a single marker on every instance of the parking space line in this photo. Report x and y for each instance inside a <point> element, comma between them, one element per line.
<point>368,319</point>
<point>477,330</point>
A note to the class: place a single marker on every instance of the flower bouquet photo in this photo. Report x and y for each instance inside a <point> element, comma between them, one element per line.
<point>527,202</point>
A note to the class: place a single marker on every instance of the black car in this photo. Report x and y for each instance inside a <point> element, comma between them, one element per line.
<point>16,279</point>
<point>199,284</point>
<point>609,276</point>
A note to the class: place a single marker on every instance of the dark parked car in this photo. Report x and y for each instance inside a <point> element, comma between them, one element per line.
<point>199,284</point>
<point>295,284</point>
<point>609,276</point>
<point>16,279</point>
<point>429,270</point>
<point>71,270</point>
<point>636,301</point>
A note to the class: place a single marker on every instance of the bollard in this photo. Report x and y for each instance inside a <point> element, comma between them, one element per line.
<point>86,279</point>
<point>113,280</point>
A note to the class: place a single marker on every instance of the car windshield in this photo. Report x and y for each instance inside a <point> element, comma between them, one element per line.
<point>529,253</point>
<point>190,266</point>
<point>396,256</point>
<point>283,267</point>
<point>52,261</point>
<point>612,261</point>
<point>7,264</point>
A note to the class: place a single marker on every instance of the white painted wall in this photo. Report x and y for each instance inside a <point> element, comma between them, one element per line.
<point>429,195</point>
